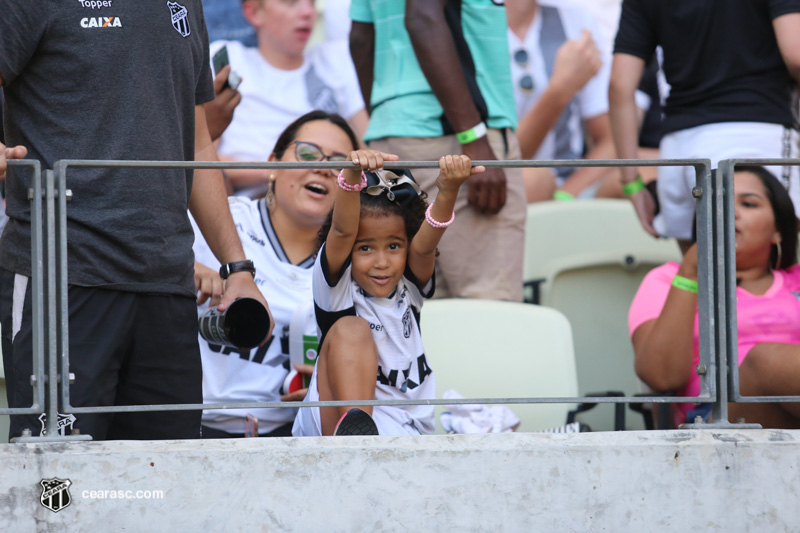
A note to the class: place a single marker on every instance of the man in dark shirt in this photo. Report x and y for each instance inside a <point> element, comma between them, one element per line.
<point>121,81</point>
<point>733,67</point>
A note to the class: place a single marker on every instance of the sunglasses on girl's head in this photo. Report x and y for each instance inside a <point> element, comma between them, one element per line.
<point>306,151</point>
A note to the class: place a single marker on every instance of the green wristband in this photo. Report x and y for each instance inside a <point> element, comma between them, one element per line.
<point>472,134</point>
<point>633,187</point>
<point>684,284</point>
<point>562,196</point>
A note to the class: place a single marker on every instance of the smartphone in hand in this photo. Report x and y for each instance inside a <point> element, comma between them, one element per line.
<point>220,61</point>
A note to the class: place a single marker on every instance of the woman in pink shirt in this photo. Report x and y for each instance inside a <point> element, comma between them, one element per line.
<point>663,317</point>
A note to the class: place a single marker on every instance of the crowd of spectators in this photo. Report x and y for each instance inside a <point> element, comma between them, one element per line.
<point>415,80</point>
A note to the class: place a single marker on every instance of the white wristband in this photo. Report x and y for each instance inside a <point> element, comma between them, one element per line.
<point>472,134</point>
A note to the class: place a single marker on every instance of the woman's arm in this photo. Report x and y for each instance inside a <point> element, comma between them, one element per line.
<point>663,348</point>
<point>453,172</point>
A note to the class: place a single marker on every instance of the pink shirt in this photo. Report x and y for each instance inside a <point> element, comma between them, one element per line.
<point>772,317</point>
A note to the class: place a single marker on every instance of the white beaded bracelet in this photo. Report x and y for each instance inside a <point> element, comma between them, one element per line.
<point>351,188</point>
<point>435,223</point>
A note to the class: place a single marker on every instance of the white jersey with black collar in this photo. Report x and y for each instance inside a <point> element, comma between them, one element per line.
<point>403,369</point>
<point>258,374</point>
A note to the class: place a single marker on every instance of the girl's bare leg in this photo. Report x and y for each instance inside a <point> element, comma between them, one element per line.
<point>347,368</point>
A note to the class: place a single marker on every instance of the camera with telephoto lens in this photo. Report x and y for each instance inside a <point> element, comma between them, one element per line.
<point>242,326</point>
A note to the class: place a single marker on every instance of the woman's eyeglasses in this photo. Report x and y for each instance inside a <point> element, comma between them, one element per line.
<point>306,151</point>
<point>521,59</point>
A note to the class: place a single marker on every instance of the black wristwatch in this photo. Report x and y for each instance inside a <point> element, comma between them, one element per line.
<point>237,266</point>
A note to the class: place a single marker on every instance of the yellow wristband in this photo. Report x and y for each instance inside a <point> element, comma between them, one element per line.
<point>633,187</point>
<point>684,284</point>
<point>562,196</point>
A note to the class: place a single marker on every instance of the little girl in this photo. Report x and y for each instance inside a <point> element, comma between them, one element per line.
<point>372,273</point>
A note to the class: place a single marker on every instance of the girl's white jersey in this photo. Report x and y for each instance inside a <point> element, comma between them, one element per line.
<point>403,369</point>
<point>256,375</point>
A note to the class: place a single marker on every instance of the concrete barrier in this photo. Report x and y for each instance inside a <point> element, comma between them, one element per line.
<point>630,481</point>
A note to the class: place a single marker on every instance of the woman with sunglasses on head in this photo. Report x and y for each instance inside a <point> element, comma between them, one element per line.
<point>279,234</point>
<point>663,317</point>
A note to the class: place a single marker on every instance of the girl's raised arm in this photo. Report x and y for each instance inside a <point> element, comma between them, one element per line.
<point>347,208</point>
<point>454,170</point>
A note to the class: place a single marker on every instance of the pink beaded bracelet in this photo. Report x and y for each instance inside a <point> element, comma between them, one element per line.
<point>351,188</point>
<point>435,223</point>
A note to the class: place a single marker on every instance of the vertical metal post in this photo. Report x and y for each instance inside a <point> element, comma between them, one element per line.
<point>726,294</point>
<point>722,294</point>
<point>703,192</point>
<point>63,283</point>
<point>51,332</point>
<point>50,309</point>
<point>731,352</point>
<point>726,170</point>
<point>37,290</point>
<point>719,412</point>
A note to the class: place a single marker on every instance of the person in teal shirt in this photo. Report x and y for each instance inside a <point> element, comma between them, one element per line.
<point>435,76</point>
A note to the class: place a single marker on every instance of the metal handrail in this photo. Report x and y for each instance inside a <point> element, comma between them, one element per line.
<point>709,272</point>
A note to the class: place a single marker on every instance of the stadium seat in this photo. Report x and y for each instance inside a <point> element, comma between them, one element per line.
<point>588,259</point>
<point>493,349</point>
<point>576,232</point>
